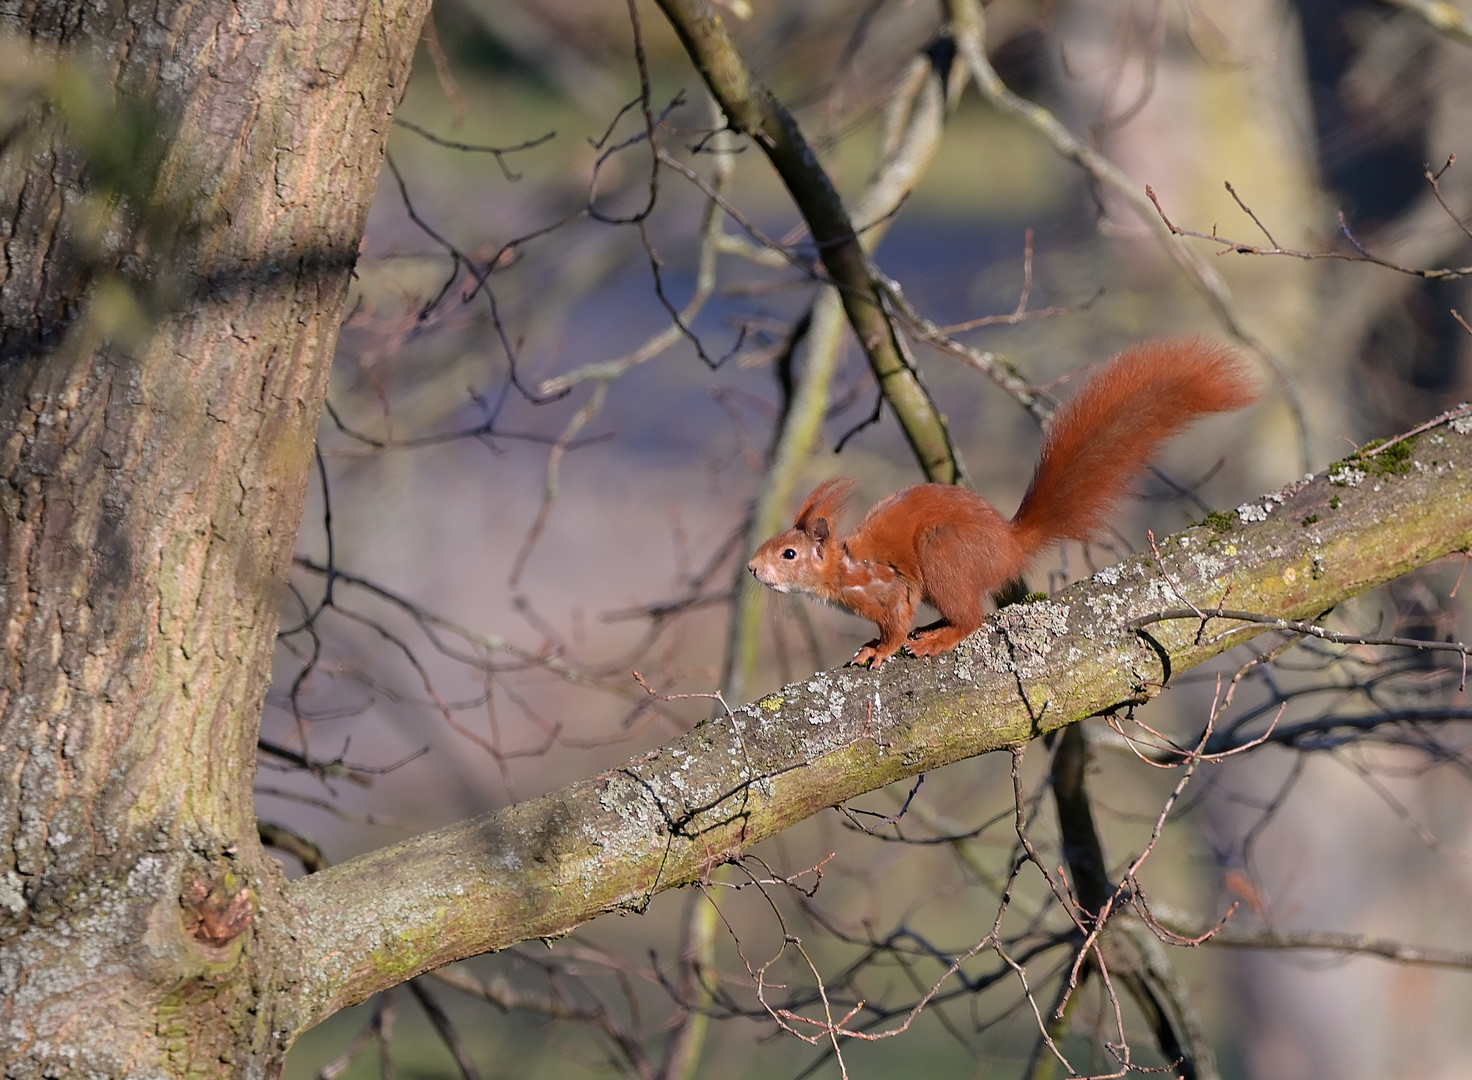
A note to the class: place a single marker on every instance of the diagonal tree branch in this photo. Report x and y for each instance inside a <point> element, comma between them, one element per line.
<point>540,868</point>
<point>913,126</point>
<point>1334,941</point>
<point>753,110</point>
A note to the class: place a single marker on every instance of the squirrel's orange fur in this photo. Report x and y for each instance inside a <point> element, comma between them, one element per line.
<point>947,546</point>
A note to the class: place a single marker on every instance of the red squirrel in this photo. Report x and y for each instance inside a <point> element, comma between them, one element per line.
<point>948,547</point>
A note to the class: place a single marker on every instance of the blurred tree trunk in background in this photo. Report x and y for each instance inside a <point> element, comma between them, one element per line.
<point>1186,98</point>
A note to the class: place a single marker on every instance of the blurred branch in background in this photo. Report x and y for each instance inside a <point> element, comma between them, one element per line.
<point>1441,15</point>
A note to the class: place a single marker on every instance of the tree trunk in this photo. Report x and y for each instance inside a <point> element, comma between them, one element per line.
<point>175,263</point>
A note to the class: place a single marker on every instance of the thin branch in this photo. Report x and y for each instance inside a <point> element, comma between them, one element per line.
<point>499,152</point>
<point>443,1026</point>
<point>1333,941</point>
<point>1294,626</point>
<point>1360,254</point>
<point>294,844</point>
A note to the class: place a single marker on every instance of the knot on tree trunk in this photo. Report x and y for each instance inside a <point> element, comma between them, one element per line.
<point>216,909</point>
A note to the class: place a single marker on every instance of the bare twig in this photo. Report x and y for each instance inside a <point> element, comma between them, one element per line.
<point>1360,253</point>
<point>1295,626</point>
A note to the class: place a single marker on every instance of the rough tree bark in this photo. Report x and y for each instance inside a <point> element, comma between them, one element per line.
<point>162,379</point>
<point>161,385</point>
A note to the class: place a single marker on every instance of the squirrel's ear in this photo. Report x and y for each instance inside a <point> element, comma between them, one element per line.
<point>818,529</point>
<point>826,501</point>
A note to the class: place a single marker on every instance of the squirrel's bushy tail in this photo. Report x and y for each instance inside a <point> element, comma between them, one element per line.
<point>1106,434</point>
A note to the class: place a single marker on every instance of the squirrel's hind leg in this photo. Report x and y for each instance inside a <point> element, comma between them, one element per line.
<point>957,573</point>
<point>938,637</point>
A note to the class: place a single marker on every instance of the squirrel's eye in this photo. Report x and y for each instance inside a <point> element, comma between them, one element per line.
<point>790,553</point>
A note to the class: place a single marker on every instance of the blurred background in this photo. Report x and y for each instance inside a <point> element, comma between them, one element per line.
<point>534,481</point>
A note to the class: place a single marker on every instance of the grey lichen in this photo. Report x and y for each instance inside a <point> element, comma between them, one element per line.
<point>1030,630</point>
<point>12,899</point>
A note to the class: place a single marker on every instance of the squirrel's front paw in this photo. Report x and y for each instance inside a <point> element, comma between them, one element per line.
<point>874,654</point>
